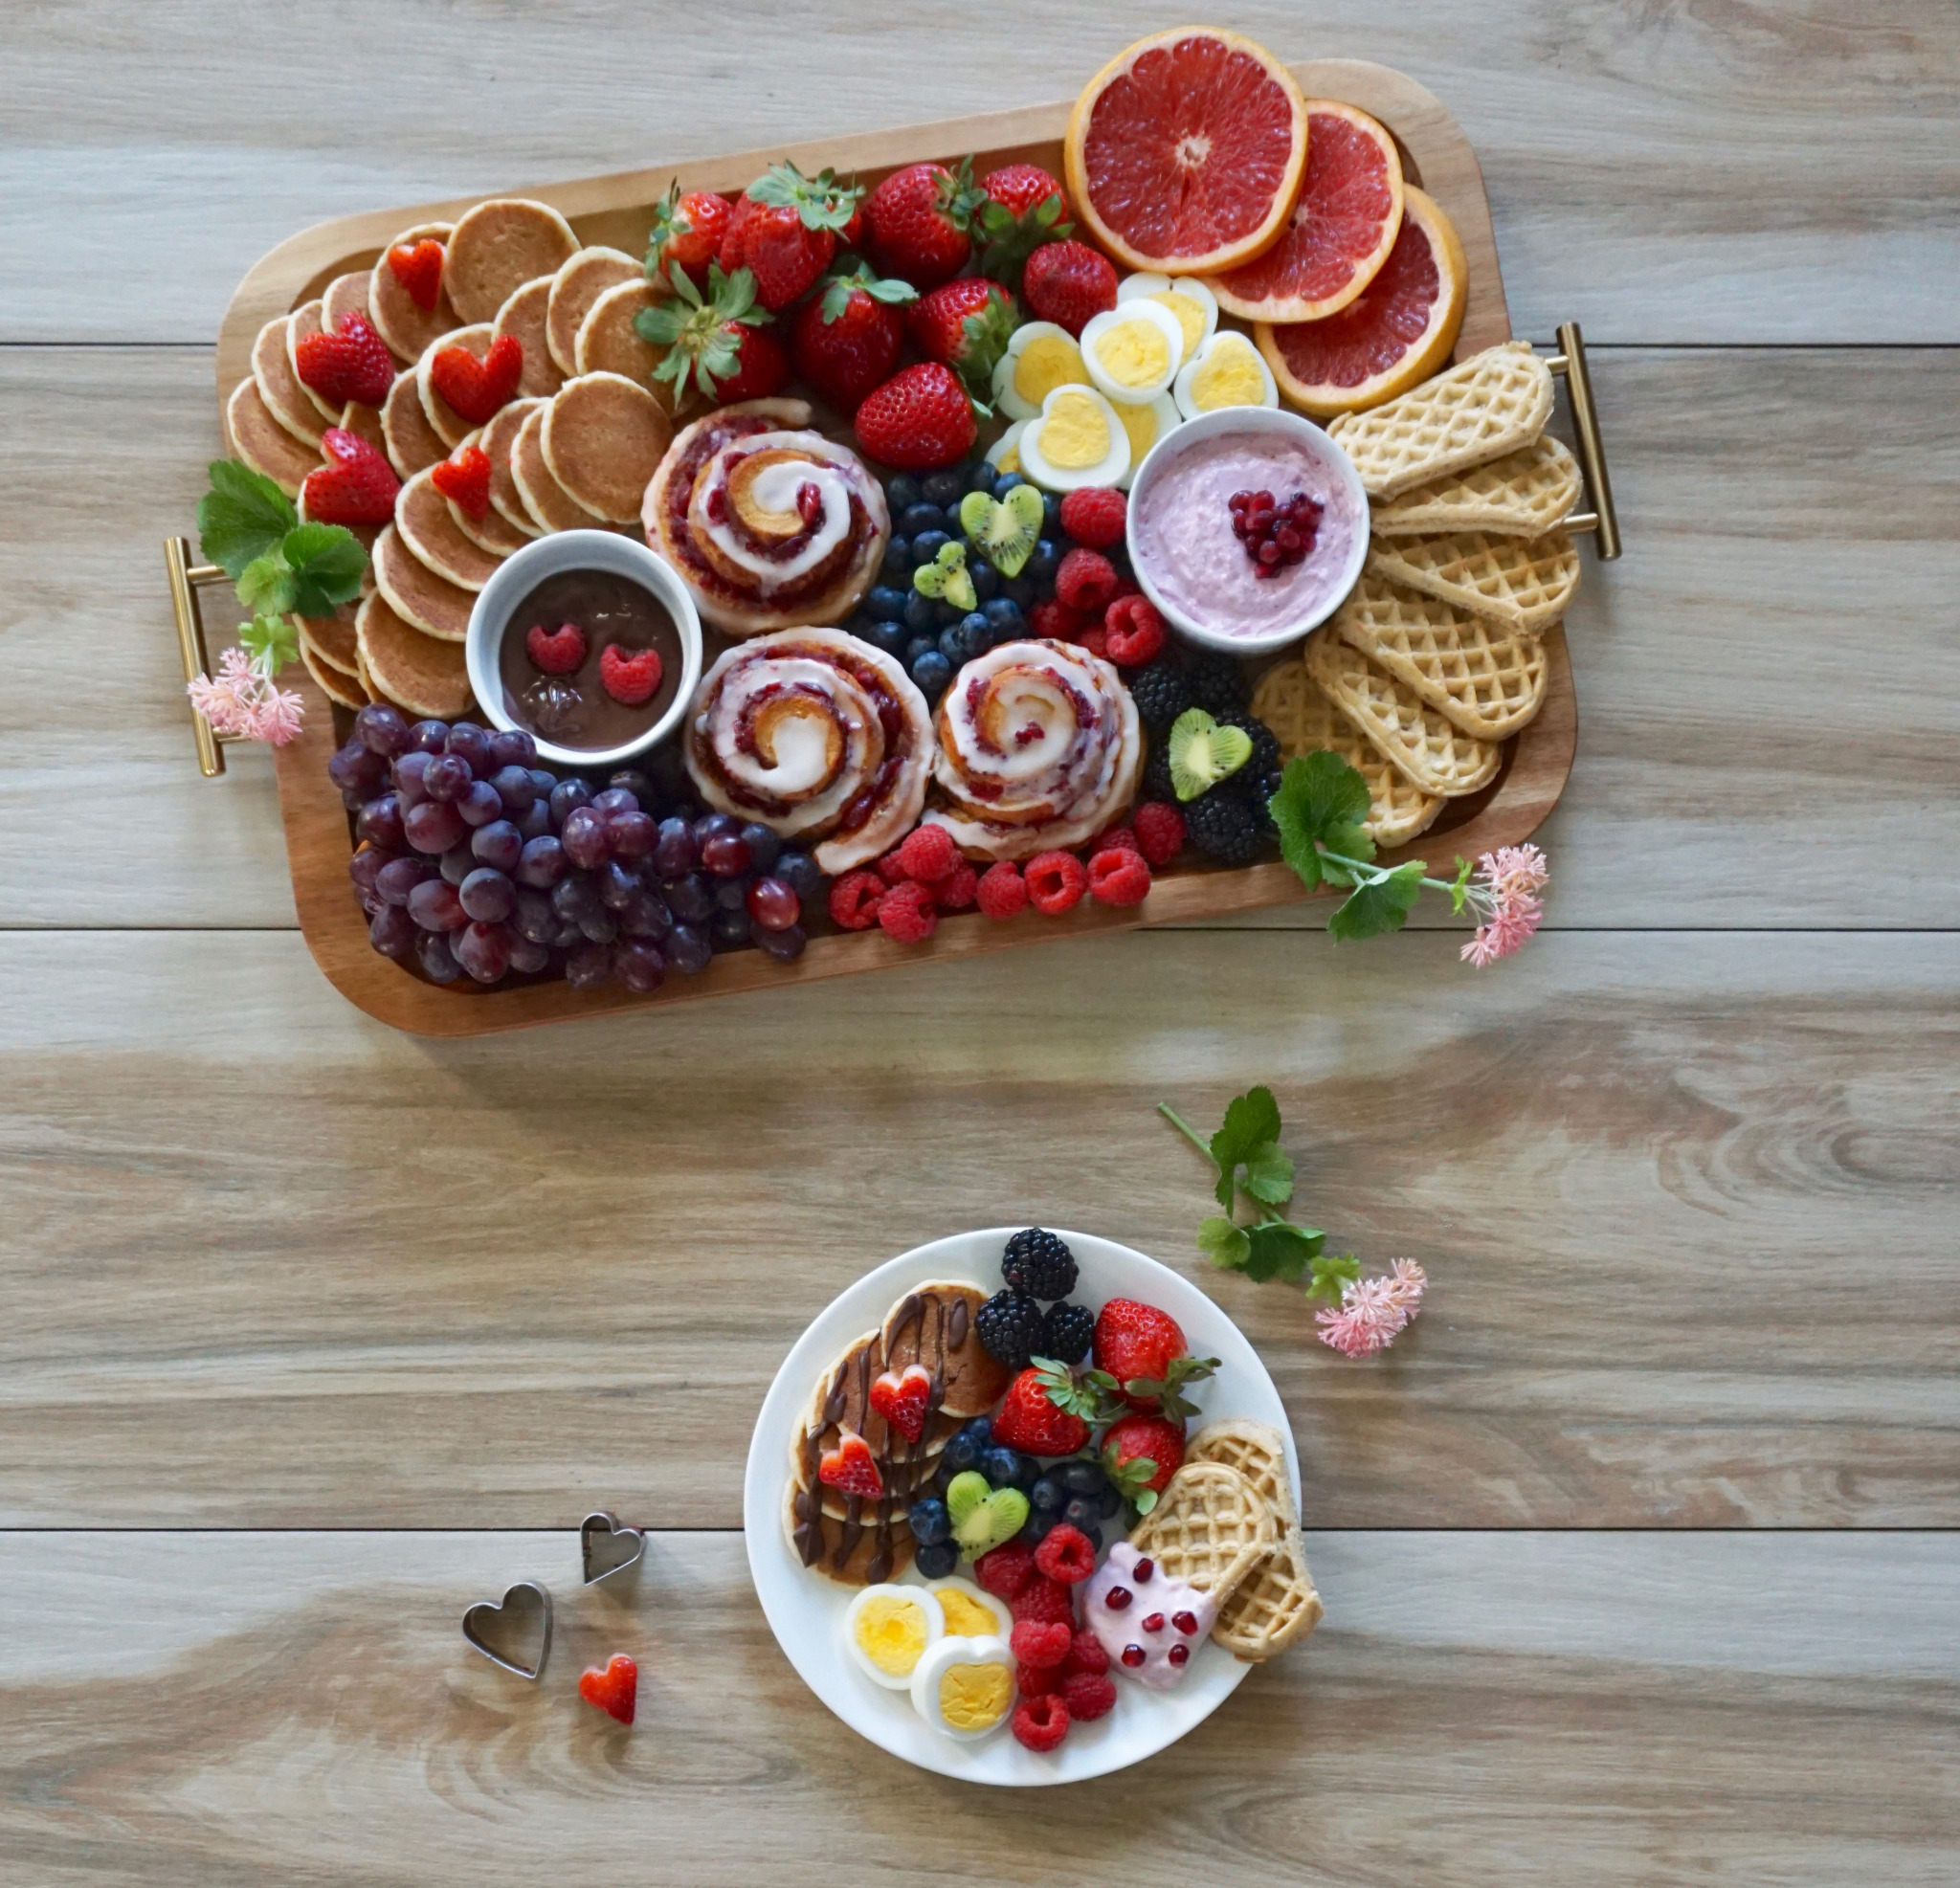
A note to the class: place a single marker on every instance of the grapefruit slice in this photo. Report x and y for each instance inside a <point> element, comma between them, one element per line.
<point>1392,336</point>
<point>1341,231</point>
<point>1184,152</point>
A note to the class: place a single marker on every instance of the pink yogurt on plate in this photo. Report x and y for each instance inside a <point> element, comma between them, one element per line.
<point>1184,548</point>
<point>1151,1624</point>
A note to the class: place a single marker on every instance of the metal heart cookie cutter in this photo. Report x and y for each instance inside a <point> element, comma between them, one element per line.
<point>503,1631</point>
<point>606,1548</point>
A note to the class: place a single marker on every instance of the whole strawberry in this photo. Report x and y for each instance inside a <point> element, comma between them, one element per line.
<point>965,323</point>
<point>785,232</point>
<point>1142,1357</point>
<point>688,228</point>
<point>919,222</point>
<point>1142,1454</point>
<point>1025,208</point>
<point>1046,1411</point>
<point>719,347</point>
<point>1066,283</point>
<point>846,339</point>
<point>918,421</point>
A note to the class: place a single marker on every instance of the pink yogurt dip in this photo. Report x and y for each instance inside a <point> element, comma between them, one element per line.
<point>1151,1624</point>
<point>1181,534</point>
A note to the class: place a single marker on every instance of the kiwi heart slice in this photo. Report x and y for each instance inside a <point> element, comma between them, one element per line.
<point>1003,531</point>
<point>983,1517</point>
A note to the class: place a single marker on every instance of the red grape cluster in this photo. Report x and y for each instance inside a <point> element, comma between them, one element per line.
<point>478,862</point>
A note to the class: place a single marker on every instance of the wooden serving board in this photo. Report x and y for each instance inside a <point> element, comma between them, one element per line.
<point>618,211</point>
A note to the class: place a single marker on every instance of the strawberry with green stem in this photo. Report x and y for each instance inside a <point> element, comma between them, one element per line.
<point>919,222</point>
<point>846,339</point>
<point>1140,1454</point>
<point>1142,1359</point>
<point>1046,1411</point>
<point>1026,207</point>
<point>785,232</point>
<point>721,343</point>
<point>688,228</point>
<point>967,325</point>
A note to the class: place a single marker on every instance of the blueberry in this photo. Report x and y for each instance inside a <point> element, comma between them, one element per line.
<point>931,673</point>
<point>886,604</point>
<point>897,558</point>
<point>1051,512</point>
<point>942,1475</point>
<point>922,613</point>
<point>1040,1525</point>
<point>985,578</point>
<point>1047,1495</point>
<point>1019,592</point>
<point>1039,567</point>
<point>915,519</point>
<point>764,846</point>
<point>981,1430</point>
<point>801,873</point>
<point>903,491</point>
<point>945,488</point>
<point>1004,615</point>
<point>1084,1511</point>
<point>1083,1476</point>
<point>1112,1500</point>
<point>953,644</point>
<point>1000,1466</point>
<point>975,633</point>
<point>1006,484</point>
<point>960,1454</point>
<point>981,477</point>
<point>929,1522</point>
<point>919,646</point>
<point>938,1562</point>
<point>887,637</point>
<point>1094,1537</point>
<point>927,544</point>
<point>946,614</point>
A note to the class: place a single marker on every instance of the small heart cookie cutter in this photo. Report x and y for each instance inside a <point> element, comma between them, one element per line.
<point>525,1597</point>
<point>606,1548</point>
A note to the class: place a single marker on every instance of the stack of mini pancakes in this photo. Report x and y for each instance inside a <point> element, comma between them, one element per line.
<point>572,451</point>
<point>1436,658</point>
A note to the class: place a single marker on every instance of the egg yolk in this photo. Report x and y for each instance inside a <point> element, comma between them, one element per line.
<point>973,1697</point>
<point>1230,376</point>
<point>892,1632</point>
<point>1134,354</point>
<point>1191,317</point>
<point>1010,460</point>
<point>1141,424</point>
<point>966,1618</point>
<point>1074,434</point>
<point>1048,362</point>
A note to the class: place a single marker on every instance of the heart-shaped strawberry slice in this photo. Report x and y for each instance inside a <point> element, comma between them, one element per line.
<point>418,268</point>
<point>616,1690</point>
<point>851,1467</point>
<point>358,487</point>
<point>902,1400</point>
<point>476,388</point>
<point>557,652</point>
<point>351,362</point>
<point>464,479</point>
<point>628,675</point>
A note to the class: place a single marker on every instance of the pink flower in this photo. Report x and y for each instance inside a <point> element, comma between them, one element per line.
<point>1504,899</point>
<point>244,703</point>
<point>1373,1311</point>
<point>1406,1283</point>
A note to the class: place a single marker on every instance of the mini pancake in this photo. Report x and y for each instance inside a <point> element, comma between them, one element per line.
<point>421,516</point>
<point>412,670</point>
<point>345,296</point>
<point>498,246</point>
<point>406,328</point>
<point>263,443</point>
<point>412,445</point>
<point>414,592</point>
<point>608,342</point>
<point>938,1326</point>
<point>365,423</point>
<point>278,385</point>
<point>856,1567</point>
<point>493,532</point>
<point>330,637</point>
<point>546,500</point>
<point>604,437</point>
<point>574,288</point>
<point>523,316</point>
<point>300,323</point>
<point>451,427</point>
<point>496,440</point>
<point>334,685</point>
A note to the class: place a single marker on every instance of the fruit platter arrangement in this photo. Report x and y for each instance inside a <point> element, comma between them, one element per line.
<point>1021,1507</point>
<point>943,540</point>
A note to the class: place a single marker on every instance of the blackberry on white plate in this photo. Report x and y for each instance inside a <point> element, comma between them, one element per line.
<point>1039,1264</point>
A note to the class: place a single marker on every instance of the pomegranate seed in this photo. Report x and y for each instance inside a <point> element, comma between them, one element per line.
<point>1132,1656</point>
<point>1186,1623</point>
<point>1142,1571</point>
<point>1118,1598</point>
<point>1177,1654</point>
<point>1153,1621</point>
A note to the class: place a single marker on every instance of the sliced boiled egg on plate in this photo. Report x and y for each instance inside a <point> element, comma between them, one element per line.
<point>1075,441</point>
<point>1146,425</point>
<point>969,1612</point>
<point>1193,306</point>
<point>1133,350</point>
<point>888,1629</point>
<point>1005,454</point>
<point>1039,358</point>
<point>1228,371</point>
<point>965,1687</point>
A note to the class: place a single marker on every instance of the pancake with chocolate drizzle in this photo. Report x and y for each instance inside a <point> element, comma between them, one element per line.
<point>843,1402</point>
<point>935,1326</point>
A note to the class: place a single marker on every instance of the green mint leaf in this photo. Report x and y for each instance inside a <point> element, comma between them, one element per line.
<point>1251,1121</point>
<point>1321,801</point>
<point>266,586</point>
<point>1331,1276</point>
<point>1268,1175</point>
<point>1281,1251</point>
<point>1383,906</point>
<point>271,641</point>
<point>241,518</point>
<point>328,565</point>
<point>1224,1244</point>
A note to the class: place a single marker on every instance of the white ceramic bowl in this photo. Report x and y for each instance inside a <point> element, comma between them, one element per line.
<point>1265,423</point>
<point>521,572</point>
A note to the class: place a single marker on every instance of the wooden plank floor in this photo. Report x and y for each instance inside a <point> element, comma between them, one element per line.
<point>315,1333</point>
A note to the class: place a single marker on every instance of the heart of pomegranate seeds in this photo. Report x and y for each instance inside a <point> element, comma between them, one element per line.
<point>630,677</point>
<point>1275,532</point>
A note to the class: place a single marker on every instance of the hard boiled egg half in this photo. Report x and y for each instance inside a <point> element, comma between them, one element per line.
<point>1228,371</point>
<point>1193,306</point>
<point>1075,441</point>
<point>888,1629</point>
<point>972,1613</point>
<point>965,1687</point>
<point>1133,350</point>
<point>1146,426</point>
<point>1039,358</point>
<point>1005,454</point>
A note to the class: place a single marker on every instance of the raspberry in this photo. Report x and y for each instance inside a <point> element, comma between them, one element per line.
<point>1160,830</point>
<point>958,889</point>
<point>1038,1680</point>
<point>1055,621</point>
<point>1086,581</point>
<point>1046,1601</point>
<point>1003,891</point>
<point>1119,877</point>
<point>1095,517</point>
<point>855,900</point>
<point>1088,1696</point>
<point>1065,1555</point>
<point>1136,631</point>
<point>1118,839</point>
<point>1056,883</point>
<point>889,869</point>
<point>1042,1644</point>
<point>908,913</point>
<point>929,854</point>
<point>1006,1570</point>
<point>1096,640</point>
<point>1041,1722</point>
<point>1085,1654</point>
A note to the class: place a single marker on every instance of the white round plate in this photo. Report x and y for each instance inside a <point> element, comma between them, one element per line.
<point>806,1610</point>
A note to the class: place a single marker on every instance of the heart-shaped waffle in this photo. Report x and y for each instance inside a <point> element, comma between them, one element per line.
<point>1521,583</point>
<point>1523,494</point>
<point>1275,1606</point>
<point>1209,1528</point>
<point>1428,749</point>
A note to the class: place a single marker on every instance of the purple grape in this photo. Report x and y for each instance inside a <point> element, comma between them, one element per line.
<point>715,826</point>
<point>433,904</point>
<point>764,847</point>
<point>567,937</point>
<point>488,895</point>
<point>731,893</point>
<point>616,885</point>
<point>633,834</point>
<point>499,844</point>
<point>356,765</point>
<point>616,799</point>
<point>447,778</point>
<point>480,805</point>
<point>437,959</point>
<point>456,864</point>
<point>515,787</point>
<point>543,862</point>
<point>645,915</point>
<point>365,867</point>
<point>433,827</point>
<point>380,821</point>
<point>799,872</point>
<point>786,946</point>
<point>392,932</point>
<point>382,728</point>
<point>535,821</point>
<point>471,743</point>
<point>640,967</point>
<point>773,906</point>
<point>353,798</point>
<point>725,855</point>
<point>400,877</point>
<point>602,927</point>
<point>693,902</point>
<point>730,930</point>
<point>430,736</point>
<point>675,852</point>
<point>575,897</point>
<point>689,950</point>
<point>512,748</point>
<point>483,950</point>
<point>565,796</point>
<point>585,837</point>
<point>544,780</point>
<point>528,956</point>
<point>409,771</point>
<point>535,920</point>
<point>590,966</point>
<point>374,904</point>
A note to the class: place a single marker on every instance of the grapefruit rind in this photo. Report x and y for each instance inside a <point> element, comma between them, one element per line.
<point>1249,290</point>
<point>1223,255</point>
<point>1426,357</point>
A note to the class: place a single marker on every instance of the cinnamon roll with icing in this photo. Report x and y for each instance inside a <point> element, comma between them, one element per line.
<point>1040,749</point>
<point>771,524</point>
<point>816,736</point>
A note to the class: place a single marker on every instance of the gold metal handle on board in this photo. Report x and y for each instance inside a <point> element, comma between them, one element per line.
<point>1602,520</point>
<point>185,577</point>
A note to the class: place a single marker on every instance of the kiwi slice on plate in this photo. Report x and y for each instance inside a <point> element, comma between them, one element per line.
<point>1005,531</point>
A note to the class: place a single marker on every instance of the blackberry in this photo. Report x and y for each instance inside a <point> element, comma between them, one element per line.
<point>1012,1330</point>
<point>1227,825</point>
<point>1039,1264</point>
<point>1218,680</point>
<point>1162,692</point>
<point>1157,782</point>
<point>1071,1329</point>
<point>1266,759</point>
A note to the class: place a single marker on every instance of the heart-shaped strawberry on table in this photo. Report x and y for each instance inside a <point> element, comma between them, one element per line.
<point>902,1400</point>
<point>851,1467</point>
<point>357,487</point>
<point>557,652</point>
<point>418,268</point>
<point>630,676</point>
<point>349,363</point>
<point>476,388</point>
<point>464,479</point>
<point>616,1690</point>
